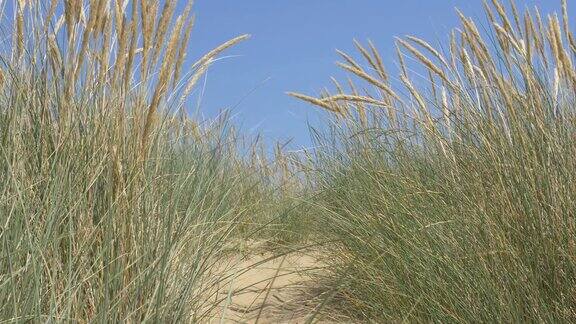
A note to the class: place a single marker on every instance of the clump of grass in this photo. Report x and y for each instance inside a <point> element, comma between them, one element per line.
<point>113,204</point>
<point>452,198</point>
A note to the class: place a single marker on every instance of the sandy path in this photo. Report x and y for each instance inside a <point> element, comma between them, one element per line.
<point>266,289</point>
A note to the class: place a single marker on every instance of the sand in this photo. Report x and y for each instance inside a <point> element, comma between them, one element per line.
<point>264,288</point>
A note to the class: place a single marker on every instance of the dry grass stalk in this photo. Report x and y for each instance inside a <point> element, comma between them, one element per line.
<point>314,101</point>
<point>166,15</point>
<point>216,51</point>
<point>194,79</point>
<point>381,70</point>
<point>516,16</point>
<point>356,98</point>
<point>104,55</point>
<point>430,49</point>
<point>148,18</point>
<point>133,44</point>
<point>511,40</point>
<point>528,36</point>
<point>446,112</point>
<point>360,107</point>
<point>163,80</point>
<point>337,85</point>
<point>375,62</point>
<point>488,11</point>
<point>420,103</point>
<point>18,39</point>
<point>123,43</point>
<point>183,48</point>
<point>503,16</point>
<point>50,15</point>
<point>565,20</point>
<point>375,82</point>
<point>541,37</point>
<point>349,59</point>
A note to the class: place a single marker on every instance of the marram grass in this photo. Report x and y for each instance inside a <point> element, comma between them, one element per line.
<point>449,199</point>
<point>453,199</point>
<point>113,204</point>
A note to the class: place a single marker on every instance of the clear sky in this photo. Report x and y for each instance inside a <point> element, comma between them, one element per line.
<point>293,45</point>
<point>293,49</point>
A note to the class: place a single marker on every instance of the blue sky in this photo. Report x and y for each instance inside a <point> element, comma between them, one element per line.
<point>293,49</point>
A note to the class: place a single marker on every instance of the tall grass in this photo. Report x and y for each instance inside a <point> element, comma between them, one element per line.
<point>449,198</point>
<point>452,198</point>
<point>114,205</point>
